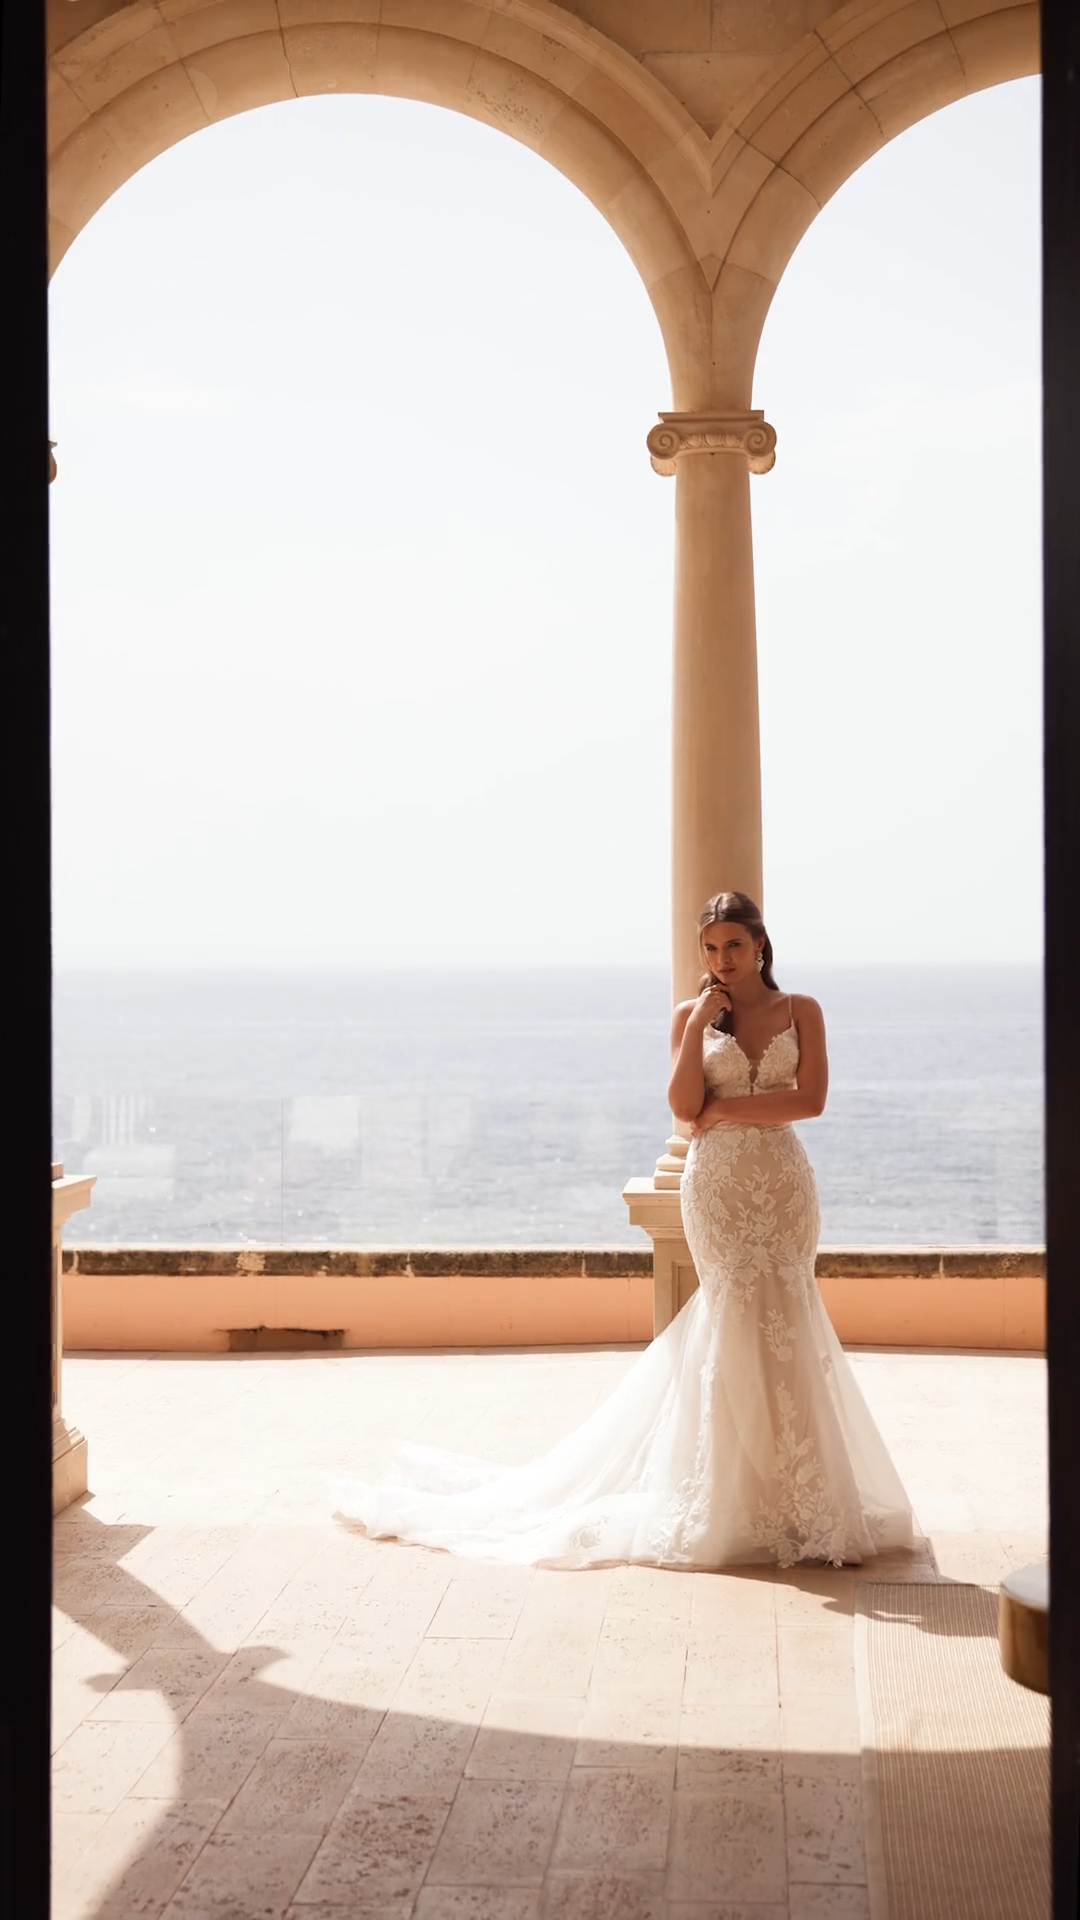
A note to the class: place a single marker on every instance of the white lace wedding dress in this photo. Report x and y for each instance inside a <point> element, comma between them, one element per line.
<point>738,1437</point>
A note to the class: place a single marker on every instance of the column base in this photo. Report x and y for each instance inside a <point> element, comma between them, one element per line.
<point>659,1210</point>
<point>669,1167</point>
<point>70,1464</point>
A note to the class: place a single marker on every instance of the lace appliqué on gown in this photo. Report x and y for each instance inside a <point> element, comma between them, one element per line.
<point>738,1437</point>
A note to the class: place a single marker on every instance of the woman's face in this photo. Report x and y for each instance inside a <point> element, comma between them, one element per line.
<point>730,952</point>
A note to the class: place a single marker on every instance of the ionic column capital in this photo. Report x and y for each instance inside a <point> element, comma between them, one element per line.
<point>679,433</point>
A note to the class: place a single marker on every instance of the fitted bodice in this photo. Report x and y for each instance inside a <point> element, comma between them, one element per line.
<point>728,1072</point>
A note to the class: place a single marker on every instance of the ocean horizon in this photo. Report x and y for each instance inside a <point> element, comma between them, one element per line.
<point>499,1106</point>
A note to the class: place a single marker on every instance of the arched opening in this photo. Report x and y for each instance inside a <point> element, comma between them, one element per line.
<point>898,568</point>
<point>361,602</point>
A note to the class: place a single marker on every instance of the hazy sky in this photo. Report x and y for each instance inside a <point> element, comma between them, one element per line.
<point>363,580</point>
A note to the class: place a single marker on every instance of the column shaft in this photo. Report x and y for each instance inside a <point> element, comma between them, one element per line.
<point>716,760</point>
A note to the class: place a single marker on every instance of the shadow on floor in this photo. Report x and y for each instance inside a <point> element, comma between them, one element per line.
<point>327,1768</point>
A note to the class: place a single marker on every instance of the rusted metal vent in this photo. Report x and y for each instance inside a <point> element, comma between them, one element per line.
<point>285,1339</point>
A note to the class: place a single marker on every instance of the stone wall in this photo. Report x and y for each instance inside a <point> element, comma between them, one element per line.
<point>205,1299</point>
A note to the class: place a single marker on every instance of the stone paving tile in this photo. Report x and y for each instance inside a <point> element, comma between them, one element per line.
<point>477,1608</point>
<point>99,1764</point>
<point>340,1702</point>
<point>1021,1549</point>
<point>738,1667</point>
<point>818,1658</point>
<point>478,1903</point>
<point>129,1629</point>
<point>498,1833</point>
<point>805,1595</point>
<point>72,1835</point>
<point>630,1727</point>
<point>635,1592</point>
<point>557,1595</point>
<point>647,1652</point>
<point>236,1879</point>
<point>723,1910</point>
<point>85,1583</point>
<point>334,1910</point>
<point>614,1816</point>
<point>295,1786</point>
<point>258,1679</point>
<point>549,1658</point>
<point>824,1818</point>
<point>526,1737</point>
<point>452,1675</point>
<point>164,1683</point>
<point>138,1859</point>
<point>208,1758</point>
<point>976,1557</point>
<point>729,1744</point>
<point>414,1754</point>
<point>73,1700</point>
<point>828,1903</point>
<point>63,1628</point>
<point>731,1840</point>
<point>737,1602</point>
<point>819,1723</point>
<point>382,1846</point>
<point>612,1895</point>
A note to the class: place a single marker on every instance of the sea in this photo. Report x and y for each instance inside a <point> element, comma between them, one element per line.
<point>456,1107</point>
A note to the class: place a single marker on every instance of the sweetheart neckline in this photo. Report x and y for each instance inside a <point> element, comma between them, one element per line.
<point>755,1066</point>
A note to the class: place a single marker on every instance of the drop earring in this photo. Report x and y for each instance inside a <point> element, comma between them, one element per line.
<point>760,962</point>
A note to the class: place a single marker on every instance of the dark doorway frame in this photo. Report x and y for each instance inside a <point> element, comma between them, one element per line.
<point>1061,789</point>
<point>24,771</point>
<point>25,1410</point>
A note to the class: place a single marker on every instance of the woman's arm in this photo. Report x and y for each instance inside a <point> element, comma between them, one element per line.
<point>686,1088</point>
<point>803,1102</point>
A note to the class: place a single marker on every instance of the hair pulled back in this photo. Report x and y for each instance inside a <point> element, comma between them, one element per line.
<point>735,909</point>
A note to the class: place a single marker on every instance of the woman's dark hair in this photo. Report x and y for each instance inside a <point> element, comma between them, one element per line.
<point>735,909</point>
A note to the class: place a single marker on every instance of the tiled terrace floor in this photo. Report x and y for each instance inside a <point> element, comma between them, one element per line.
<point>258,1715</point>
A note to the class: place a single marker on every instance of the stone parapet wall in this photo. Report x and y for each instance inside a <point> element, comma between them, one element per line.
<point>983,1298</point>
<point>205,1299</point>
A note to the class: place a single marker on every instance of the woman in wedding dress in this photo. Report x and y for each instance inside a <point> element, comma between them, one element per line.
<point>740,1436</point>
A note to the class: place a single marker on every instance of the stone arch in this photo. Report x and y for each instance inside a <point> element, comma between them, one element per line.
<point>140,79</point>
<point>709,222</point>
<point>866,74</point>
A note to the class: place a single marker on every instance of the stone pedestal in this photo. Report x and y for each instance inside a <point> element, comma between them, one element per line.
<point>659,1211</point>
<point>1024,1626</point>
<point>69,1445</point>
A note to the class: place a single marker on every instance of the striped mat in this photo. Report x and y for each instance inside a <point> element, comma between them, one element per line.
<point>955,1760</point>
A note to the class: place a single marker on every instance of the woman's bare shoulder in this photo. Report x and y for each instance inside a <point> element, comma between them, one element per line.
<point>805,1007</point>
<point>680,1016</point>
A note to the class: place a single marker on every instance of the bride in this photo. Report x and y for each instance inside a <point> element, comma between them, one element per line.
<point>740,1436</point>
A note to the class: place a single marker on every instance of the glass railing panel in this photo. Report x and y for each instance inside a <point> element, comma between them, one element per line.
<point>434,1171</point>
<point>173,1171</point>
<point>502,1109</point>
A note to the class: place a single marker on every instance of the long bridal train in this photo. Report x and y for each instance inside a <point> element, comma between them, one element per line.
<point>739,1437</point>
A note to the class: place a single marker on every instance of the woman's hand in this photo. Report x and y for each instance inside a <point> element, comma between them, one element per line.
<point>708,1117</point>
<point>709,1005</point>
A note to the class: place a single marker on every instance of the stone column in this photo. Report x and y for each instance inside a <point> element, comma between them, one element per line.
<point>69,1445</point>
<point>716,760</point>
